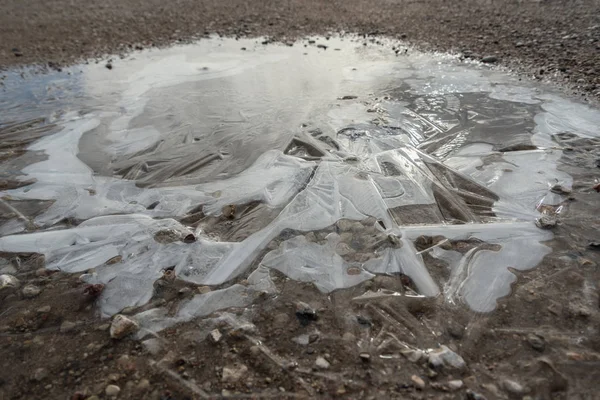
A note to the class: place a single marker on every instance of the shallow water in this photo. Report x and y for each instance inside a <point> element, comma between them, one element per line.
<point>105,171</point>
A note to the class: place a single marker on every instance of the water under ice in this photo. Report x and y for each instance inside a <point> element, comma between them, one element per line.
<point>420,145</point>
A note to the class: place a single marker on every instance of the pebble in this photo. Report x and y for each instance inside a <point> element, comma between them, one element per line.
<point>305,313</point>
<point>444,357</point>
<point>204,289</point>
<point>322,363</point>
<point>9,282</point>
<point>418,382</point>
<point>513,387</point>
<point>489,59</point>
<point>143,385</point>
<point>67,326</point>
<point>536,341</point>
<point>471,395</point>
<point>109,66</point>
<point>344,225</point>
<point>122,326</point>
<point>455,384</point>
<point>234,373</point>
<point>112,390</point>
<point>44,310</point>
<point>215,335</point>
<point>546,222</point>
<point>31,291</point>
<point>40,374</point>
<point>559,189</point>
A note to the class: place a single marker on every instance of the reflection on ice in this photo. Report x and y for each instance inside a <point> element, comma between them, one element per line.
<point>165,143</point>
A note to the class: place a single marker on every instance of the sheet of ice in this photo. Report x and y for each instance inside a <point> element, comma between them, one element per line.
<point>483,276</point>
<point>318,264</point>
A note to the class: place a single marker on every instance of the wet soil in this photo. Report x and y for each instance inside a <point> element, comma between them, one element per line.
<point>547,39</point>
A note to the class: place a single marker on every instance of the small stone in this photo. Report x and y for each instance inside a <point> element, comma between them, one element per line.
<point>322,363</point>
<point>446,358</point>
<point>234,373</point>
<point>455,330</point>
<point>455,384</point>
<point>31,291</point>
<point>108,65</point>
<point>513,387</point>
<point>112,390</point>
<point>122,326</point>
<point>310,237</point>
<point>348,97</point>
<point>471,395</point>
<point>215,335</point>
<point>344,225</point>
<point>9,282</point>
<point>203,289</point>
<point>190,238</point>
<point>44,310</point>
<point>536,341</point>
<point>103,327</point>
<point>559,189</point>
<point>152,346</point>
<point>143,385</point>
<point>489,59</point>
<point>546,222</point>
<point>322,46</point>
<point>418,382</point>
<point>67,326</point>
<point>305,313</point>
<point>184,290</point>
<point>365,356</point>
<point>40,374</point>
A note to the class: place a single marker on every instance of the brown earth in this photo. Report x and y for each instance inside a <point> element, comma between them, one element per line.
<point>548,39</point>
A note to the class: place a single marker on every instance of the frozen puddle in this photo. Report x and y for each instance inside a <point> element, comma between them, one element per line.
<point>330,165</point>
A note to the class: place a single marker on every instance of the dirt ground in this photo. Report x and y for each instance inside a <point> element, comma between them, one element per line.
<point>548,39</point>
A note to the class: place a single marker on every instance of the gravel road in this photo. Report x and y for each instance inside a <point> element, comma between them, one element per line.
<point>551,39</point>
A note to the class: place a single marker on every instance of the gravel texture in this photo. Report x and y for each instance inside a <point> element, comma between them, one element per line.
<point>553,39</point>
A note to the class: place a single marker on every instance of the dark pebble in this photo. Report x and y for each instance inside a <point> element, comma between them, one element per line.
<point>322,46</point>
<point>108,65</point>
<point>189,238</point>
<point>489,59</point>
<point>537,342</point>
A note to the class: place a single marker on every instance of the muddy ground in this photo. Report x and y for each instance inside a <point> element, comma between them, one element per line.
<point>546,39</point>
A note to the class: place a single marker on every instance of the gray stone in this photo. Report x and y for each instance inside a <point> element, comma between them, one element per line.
<point>446,358</point>
<point>9,282</point>
<point>44,309</point>
<point>234,373</point>
<point>546,222</point>
<point>536,341</point>
<point>122,326</point>
<point>31,291</point>
<point>489,59</point>
<point>455,384</point>
<point>112,390</point>
<point>143,385</point>
<point>40,374</point>
<point>67,326</point>
<point>344,225</point>
<point>513,387</point>
<point>322,363</point>
<point>215,335</point>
